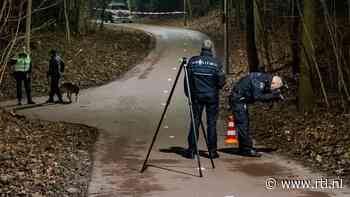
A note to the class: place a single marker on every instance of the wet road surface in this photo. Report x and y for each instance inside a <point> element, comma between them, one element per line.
<point>127,112</point>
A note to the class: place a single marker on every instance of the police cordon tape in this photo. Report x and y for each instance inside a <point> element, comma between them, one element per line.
<point>156,13</point>
<point>144,13</point>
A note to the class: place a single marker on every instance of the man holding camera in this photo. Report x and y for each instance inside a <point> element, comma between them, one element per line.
<point>206,78</point>
<point>251,88</point>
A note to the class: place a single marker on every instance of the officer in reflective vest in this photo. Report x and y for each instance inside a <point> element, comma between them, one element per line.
<point>23,70</point>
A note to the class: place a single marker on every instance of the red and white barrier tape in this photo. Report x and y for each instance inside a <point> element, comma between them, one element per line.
<point>143,13</point>
<point>156,13</point>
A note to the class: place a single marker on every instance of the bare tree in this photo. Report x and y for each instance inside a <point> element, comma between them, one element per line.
<point>66,21</point>
<point>28,24</point>
<point>253,59</point>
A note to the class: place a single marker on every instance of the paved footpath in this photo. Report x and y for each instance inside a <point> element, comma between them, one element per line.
<point>127,111</point>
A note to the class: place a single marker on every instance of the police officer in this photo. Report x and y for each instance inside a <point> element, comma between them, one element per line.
<point>253,87</point>
<point>206,78</point>
<point>23,71</point>
<point>56,70</point>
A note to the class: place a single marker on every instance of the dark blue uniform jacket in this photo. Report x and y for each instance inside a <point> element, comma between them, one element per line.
<point>254,87</point>
<point>56,67</point>
<point>206,77</point>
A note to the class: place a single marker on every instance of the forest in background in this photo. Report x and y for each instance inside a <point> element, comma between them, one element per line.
<point>19,20</point>
<point>284,42</point>
<point>310,37</point>
<point>307,42</point>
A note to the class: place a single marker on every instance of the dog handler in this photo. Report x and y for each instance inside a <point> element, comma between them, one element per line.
<point>56,70</point>
<point>253,87</point>
<point>206,78</point>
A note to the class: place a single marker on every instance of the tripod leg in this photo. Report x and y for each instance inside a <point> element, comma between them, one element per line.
<point>194,127</point>
<point>206,142</point>
<point>144,166</point>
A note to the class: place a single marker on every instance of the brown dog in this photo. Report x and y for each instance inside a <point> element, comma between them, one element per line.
<point>70,88</point>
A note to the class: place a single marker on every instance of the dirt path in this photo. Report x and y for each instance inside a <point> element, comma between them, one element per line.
<point>127,110</point>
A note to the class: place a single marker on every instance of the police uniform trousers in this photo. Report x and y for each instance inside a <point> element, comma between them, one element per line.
<point>20,78</point>
<point>240,111</point>
<point>55,89</point>
<point>212,116</point>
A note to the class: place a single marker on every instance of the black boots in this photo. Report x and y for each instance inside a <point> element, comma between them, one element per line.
<point>60,101</point>
<point>50,101</point>
<point>214,154</point>
<point>190,153</point>
<point>249,152</point>
<point>29,102</point>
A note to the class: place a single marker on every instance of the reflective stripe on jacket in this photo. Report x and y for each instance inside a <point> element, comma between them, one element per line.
<point>22,64</point>
<point>206,77</point>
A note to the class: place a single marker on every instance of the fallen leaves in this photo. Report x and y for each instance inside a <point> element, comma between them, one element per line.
<point>40,158</point>
<point>90,61</point>
<point>320,140</point>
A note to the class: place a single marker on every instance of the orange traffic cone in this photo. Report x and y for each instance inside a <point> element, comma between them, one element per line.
<point>231,135</point>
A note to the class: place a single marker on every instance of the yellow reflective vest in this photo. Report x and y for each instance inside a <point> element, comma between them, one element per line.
<point>23,64</point>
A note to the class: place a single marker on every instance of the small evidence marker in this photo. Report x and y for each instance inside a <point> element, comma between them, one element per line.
<point>166,127</point>
<point>201,168</point>
<point>172,137</point>
<point>174,68</point>
<point>163,104</point>
<point>169,79</point>
<point>165,91</point>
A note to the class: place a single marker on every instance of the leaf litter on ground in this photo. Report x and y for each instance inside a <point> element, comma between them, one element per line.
<point>41,158</point>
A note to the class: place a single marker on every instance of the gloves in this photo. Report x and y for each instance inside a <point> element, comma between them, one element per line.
<point>278,95</point>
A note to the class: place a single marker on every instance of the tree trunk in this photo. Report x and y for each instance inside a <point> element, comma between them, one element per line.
<point>305,90</point>
<point>103,13</point>
<point>253,59</point>
<point>189,8</point>
<point>82,17</point>
<point>185,12</point>
<point>295,38</point>
<point>66,20</point>
<point>28,25</point>
<point>204,7</point>
<point>349,10</point>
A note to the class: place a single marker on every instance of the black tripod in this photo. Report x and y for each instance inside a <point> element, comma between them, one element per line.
<point>182,66</point>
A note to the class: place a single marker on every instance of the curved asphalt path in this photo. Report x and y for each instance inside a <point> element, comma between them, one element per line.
<point>127,112</point>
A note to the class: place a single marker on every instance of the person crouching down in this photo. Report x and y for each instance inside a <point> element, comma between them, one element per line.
<point>251,88</point>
